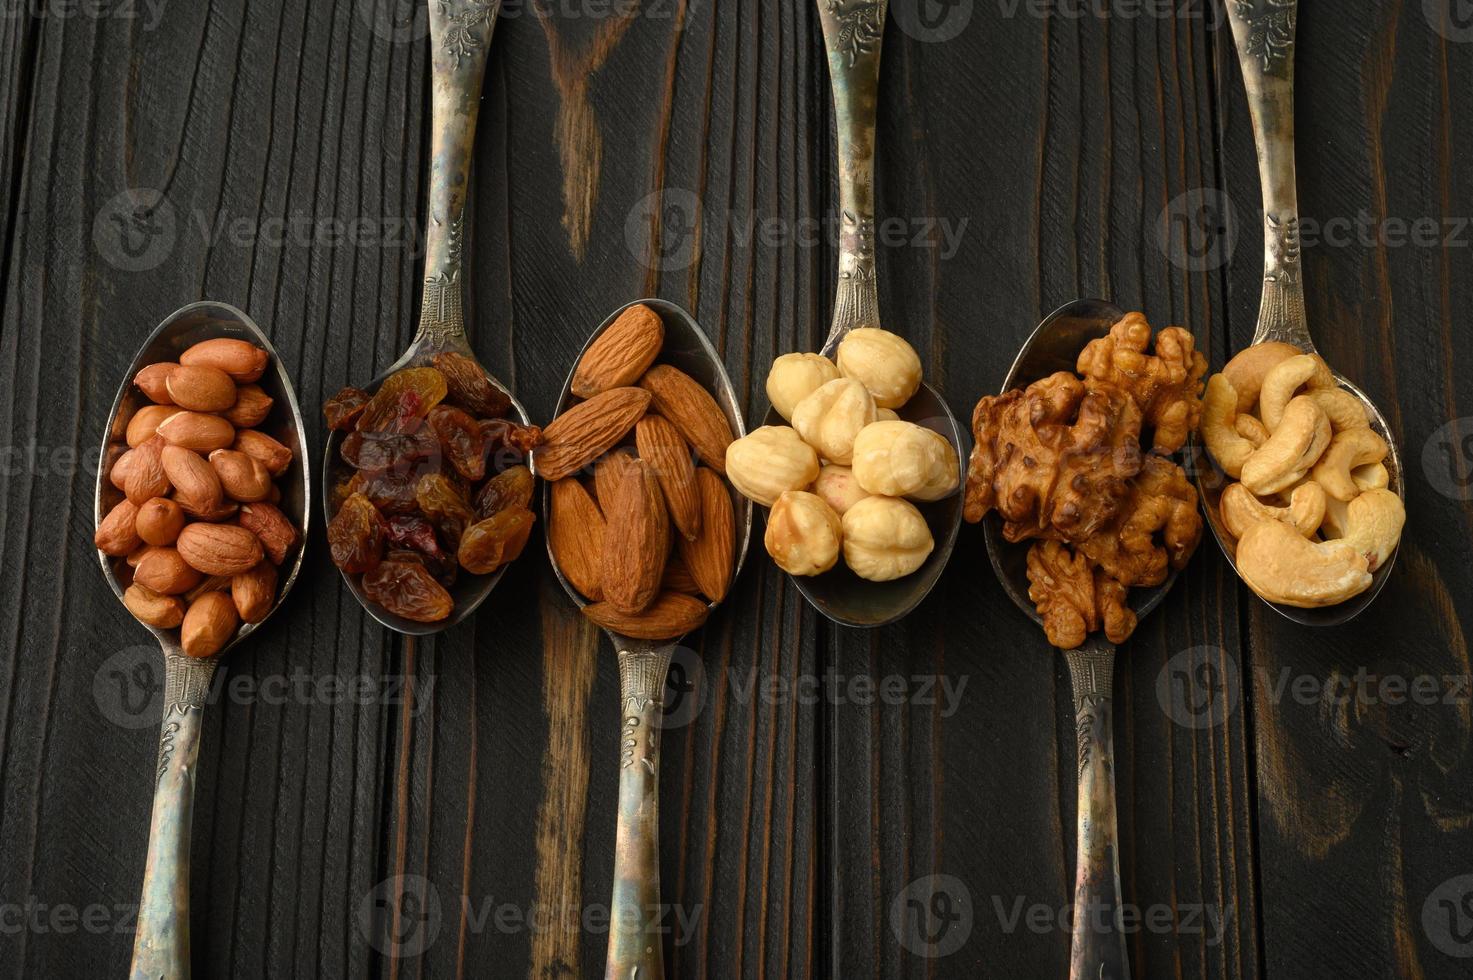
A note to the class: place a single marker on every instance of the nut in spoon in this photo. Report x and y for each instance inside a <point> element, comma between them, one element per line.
<point>1264,31</point>
<point>635,933</point>
<point>161,943</point>
<point>852,34</point>
<point>1098,946</point>
<point>460,34</point>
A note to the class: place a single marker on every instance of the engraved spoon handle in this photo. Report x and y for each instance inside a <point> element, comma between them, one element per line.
<point>852,31</point>
<point>161,945</point>
<point>635,943</point>
<point>460,34</point>
<point>1097,951</point>
<point>1264,33</point>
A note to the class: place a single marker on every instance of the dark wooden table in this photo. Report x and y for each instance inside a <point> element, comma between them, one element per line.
<point>1293,804</point>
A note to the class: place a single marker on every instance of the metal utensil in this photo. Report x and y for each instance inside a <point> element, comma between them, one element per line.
<point>1098,947</point>
<point>161,943</point>
<point>634,930</point>
<point>1264,31</point>
<point>852,33</point>
<point>460,34</point>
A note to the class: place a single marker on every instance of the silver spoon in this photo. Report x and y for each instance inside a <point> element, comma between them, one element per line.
<point>634,927</point>
<point>460,34</point>
<point>1097,949</point>
<point>161,943</point>
<point>852,38</point>
<point>1264,32</point>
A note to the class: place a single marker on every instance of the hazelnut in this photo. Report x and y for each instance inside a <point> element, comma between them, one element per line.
<point>838,488</point>
<point>885,538</point>
<point>794,377</point>
<point>768,461</point>
<point>902,459</point>
<point>803,534</point>
<point>883,362</point>
<point>830,418</point>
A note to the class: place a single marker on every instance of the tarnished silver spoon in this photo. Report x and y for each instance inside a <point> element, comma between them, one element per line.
<point>161,943</point>
<point>1265,31</point>
<point>1097,949</point>
<point>460,34</point>
<point>635,927</point>
<point>852,37</point>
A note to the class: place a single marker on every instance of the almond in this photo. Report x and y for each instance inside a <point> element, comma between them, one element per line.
<point>661,445</point>
<point>219,549</point>
<point>200,389</point>
<point>243,361</point>
<point>251,407</point>
<point>272,454</point>
<point>164,571</point>
<point>274,529</point>
<point>254,592</point>
<point>196,485</point>
<point>608,472</point>
<point>208,625</point>
<point>117,535</point>
<point>692,410</point>
<point>636,541</point>
<point>145,477</point>
<point>621,353</point>
<point>198,431</point>
<point>145,423</point>
<point>575,533</point>
<point>153,381</point>
<point>588,430</point>
<point>159,521</point>
<point>163,612</point>
<point>710,556</point>
<point>242,477</point>
<point>678,577</point>
<point>670,616</point>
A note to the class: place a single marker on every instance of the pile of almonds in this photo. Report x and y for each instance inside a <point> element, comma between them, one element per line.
<point>199,532</point>
<point>641,519</point>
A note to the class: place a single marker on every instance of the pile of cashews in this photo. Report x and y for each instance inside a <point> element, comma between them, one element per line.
<point>1312,511</point>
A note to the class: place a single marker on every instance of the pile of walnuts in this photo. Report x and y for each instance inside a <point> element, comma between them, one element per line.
<point>1062,464</point>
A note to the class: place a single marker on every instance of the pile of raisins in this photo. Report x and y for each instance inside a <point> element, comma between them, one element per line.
<point>440,484</point>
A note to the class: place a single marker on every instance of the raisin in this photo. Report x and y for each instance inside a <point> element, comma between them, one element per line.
<point>510,489</point>
<point>461,441</point>
<point>417,535</point>
<point>469,387</point>
<point>443,502</point>
<point>508,443</point>
<point>403,401</point>
<point>345,489</point>
<point>391,492</point>
<point>355,536</point>
<point>376,452</point>
<point>342,410</point>
<point>409,590</point>
<point>488,545</point>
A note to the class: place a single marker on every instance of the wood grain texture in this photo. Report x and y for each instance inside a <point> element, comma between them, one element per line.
<point>833,803</point>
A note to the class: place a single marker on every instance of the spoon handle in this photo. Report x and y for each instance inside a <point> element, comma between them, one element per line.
<point>852,31</point>
<point>1098,948</point>
<point>161,945</point>
<point>1264,32</point>
<point>635,927</point>
<point>460,34</point>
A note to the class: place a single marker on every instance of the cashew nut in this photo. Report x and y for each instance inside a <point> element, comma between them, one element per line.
<point>1251,429</point>
<point>1241,510</point>
<point>1283,566</point>
<point>1337,518</point>
<point>1353,447</point>
<point>1247,370</point>
<point>1372,476</point>
<point>1344,409</point>
<point>1287,378</point>
<point>1299,439</point>
<point>1219,406</point>
<point>1373,525</point>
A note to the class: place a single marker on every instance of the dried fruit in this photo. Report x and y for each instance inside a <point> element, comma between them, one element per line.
<point>272,454</point>
<point>507,443</point>
<point>200,388</point>
<point>621,354</point>
<point>509,489</point>
<point>163,612</point>
<point>682,400</point>
<point>159,521</point>
<point>277,534</point>
<point>355,537</point>
<point>418,536</point>
<point>117,535</point>
<point>153,381</point>
<point>145,478</point>
<point>219,549</point>
<point>711,555</point>
<point>197,431</point>
<point>670,616</point>
<point>489,544</point>
<point>376,452</point>
<point>461,440</point>
<point>469,387</point>
<point>254,592</point>
<point>252,406</point>
<point>403,400</point>
<point>408,590</point>
<point>586,431</point>
<point>343,409</point>
<point>392,492</point>
<point>668,455</point>
<point>441,501</point>
<point>208,625</point>
<point>242,360</point>
<point>166,572</point>
<point>197,486</point>
<point>636,540</point>
<point>242,477</point>
<point>575,534</point>
<point>145,423</point>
